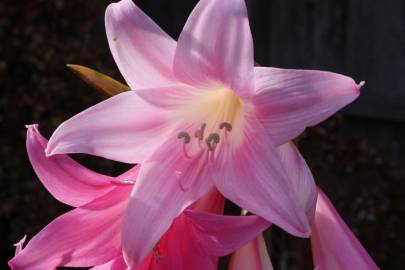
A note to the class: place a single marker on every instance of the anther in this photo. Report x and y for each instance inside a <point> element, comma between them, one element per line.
<point>184,135</point>
<point>212,140</point>
<point>199,133</point>
<point>225,125</point>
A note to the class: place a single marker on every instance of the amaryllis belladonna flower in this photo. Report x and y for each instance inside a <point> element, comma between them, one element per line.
<point>200,115</point>
<point>334,246</point>
<point>90,235</point>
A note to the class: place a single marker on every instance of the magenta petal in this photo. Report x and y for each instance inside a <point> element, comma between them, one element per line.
<point>300,176</point>
<point>124,128</point>
<point>287,101</point>
<point>216,44</point>
<point>87,236</point>
<point>116,264</point>
<point>142,50</point>
<point>212,201</point>
<point>253,177</point>
<point>252,256</point>
<point>163,190</point>
<point>64,178</point>
<point>220,235</point>
<point>178,249</point>
<point>334,246</point>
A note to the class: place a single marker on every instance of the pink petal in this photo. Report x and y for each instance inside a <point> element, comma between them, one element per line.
<point>212,202</point>
<point>333,244</point>
<point>287,101</point>
<point>124,128</point>
<point>64,178</point>
<point>170,97</point>
<point>89,235</point>
<point>163,190</point>
<point>216,44</point>
<point>142,50</point>
<point>220,235</point>
<point>116,264</point>
<point>300,177</point>
<point>253,177</point>
<point>252,256</point>
<point>179,250</point>
<point>19,245</point>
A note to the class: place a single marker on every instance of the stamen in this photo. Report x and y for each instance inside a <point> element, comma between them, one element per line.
<point>225,125</point>
<point>199,133</point>
<point>185,136</point>
<point>212,140</point>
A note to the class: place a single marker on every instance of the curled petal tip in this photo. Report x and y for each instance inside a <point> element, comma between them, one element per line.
<point>35,126</point>
<point>361,84</point>
<point>20,244</point>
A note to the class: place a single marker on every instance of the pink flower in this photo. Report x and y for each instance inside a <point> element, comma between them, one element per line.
<point>201,116</point>
<point>91,234</point>
<point>333,244</point>
<point>334,247</point>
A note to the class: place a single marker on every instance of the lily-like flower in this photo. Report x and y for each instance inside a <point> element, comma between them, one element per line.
<point>334,246</point>
<point>90,235</point>
<point>201,115</point>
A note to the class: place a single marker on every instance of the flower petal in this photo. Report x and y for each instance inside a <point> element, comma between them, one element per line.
<point>170,97</point>
<point>220,235</point>
<point>300,177</point>
<point>252,176</point>
<point>252,256</point>
<point>334,246</point>
<point>212,201</point>
<point>116,264</point>
<point>216,44</point>
<point>87,236</point>
<point>64,178</point>
<point>179,250</point>
<point>287,101</point>
<point>164,188</point>
<point>124,128</point>
<point>19,245</point>
<point>142,50</point>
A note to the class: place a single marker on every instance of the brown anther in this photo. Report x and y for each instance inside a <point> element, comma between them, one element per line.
<point>212,140</point>
<point>225,125</point>
<point>185,136</point>
<point>199,133</point>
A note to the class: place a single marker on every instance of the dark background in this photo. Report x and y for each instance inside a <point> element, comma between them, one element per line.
<point>356,156</point>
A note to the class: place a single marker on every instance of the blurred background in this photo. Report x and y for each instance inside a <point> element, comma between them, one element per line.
<point>356,156</point>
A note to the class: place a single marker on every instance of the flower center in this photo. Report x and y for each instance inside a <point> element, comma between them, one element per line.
<point>213,119</point>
